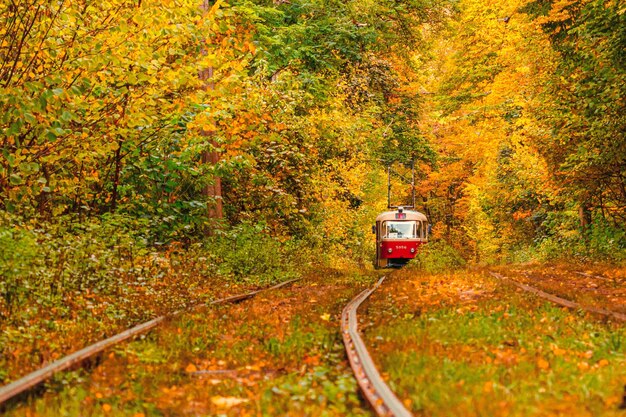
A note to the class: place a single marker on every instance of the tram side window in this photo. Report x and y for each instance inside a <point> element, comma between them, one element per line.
<point>420,229</point>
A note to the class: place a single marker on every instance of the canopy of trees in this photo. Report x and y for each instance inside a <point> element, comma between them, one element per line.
<point>528,121</point>
<point>513,111</point>
<point>103,110</point>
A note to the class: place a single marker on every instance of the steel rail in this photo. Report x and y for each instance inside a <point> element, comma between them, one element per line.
<point>590,275</point>
<point>33,379</point>
<point>559,300</point>
<point>376,391</point>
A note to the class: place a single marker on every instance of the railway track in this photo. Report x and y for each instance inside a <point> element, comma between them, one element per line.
<point>559,300</point>
<point>377,393</point>
<point>22,385</point>
<point>374,388</point>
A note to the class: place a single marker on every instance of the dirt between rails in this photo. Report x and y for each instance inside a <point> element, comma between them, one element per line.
<point>466,344</point>
<point>277,354</point>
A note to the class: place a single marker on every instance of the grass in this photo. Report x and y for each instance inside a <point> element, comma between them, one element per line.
<point>278,354</point>
<point>500,354</point>
<point>69,283</point>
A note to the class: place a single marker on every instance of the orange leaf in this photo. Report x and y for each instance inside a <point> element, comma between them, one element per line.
<point>543,364</point>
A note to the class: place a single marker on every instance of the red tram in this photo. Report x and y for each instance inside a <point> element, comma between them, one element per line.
<point>399,235</point>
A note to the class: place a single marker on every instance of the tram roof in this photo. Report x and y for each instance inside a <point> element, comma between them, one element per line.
<point>410,215</point>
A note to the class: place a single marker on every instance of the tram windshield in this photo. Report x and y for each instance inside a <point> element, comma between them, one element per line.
<point>402,230</point>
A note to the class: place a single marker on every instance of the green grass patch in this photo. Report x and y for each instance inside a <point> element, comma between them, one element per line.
<point>437,256</point>
<point>508,356</point>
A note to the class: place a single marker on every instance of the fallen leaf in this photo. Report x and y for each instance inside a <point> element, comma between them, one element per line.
<point>325,317</point>
<point>191,368</point>
<point>488,387</point>
<point>312,360</point>
<point>227,402</point>
<point>106,408</point>
<point>543,364</point>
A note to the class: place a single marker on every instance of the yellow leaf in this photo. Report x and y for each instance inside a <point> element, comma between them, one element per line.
<point>603,362</point>
<point>216,6</point>
<point>227,402</point>
<point>106,408</point>
<point>325,317</point>
<point>191,368</point>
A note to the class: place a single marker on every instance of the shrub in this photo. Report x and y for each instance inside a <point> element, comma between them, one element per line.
<point>604,242</point>
<point>42,264</point>
<point>20,260</point>
<point>438,256</point>
<point>248,253</point>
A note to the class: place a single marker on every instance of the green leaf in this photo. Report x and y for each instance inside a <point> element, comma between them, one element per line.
<point>15,179</point>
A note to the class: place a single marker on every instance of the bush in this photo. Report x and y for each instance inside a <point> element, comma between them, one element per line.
<point>606,241</point>
<point>563,240</point>
<point>437,256</point>
<point>71,254</point>
<point>44,265</point>
<point>20,258</point>
<point>248,253</point>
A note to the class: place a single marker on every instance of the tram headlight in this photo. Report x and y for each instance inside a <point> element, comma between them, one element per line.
<point>389,250</point>
<point>412,250</point>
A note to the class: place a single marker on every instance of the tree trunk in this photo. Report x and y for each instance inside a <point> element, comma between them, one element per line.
<point>584,213</point>
<point>215,210</point>
<point>116,175</point>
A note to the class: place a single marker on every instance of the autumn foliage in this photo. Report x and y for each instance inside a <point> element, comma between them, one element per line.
<point>108,110</point>
<point>527,120</point>
<point>511,111</point>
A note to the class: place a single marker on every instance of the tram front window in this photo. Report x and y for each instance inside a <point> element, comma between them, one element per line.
<point>400,230</point>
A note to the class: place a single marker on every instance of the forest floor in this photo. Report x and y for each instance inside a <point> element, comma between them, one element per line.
<point>459,343</point>
<point>42,332</point>
<point>467,344</point>
<point>277,354</point>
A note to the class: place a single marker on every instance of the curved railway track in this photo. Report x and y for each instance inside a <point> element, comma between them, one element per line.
<point>35,378</point>
<point>374,388</point>
<point>381,398</point>
<point>559,300</point>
